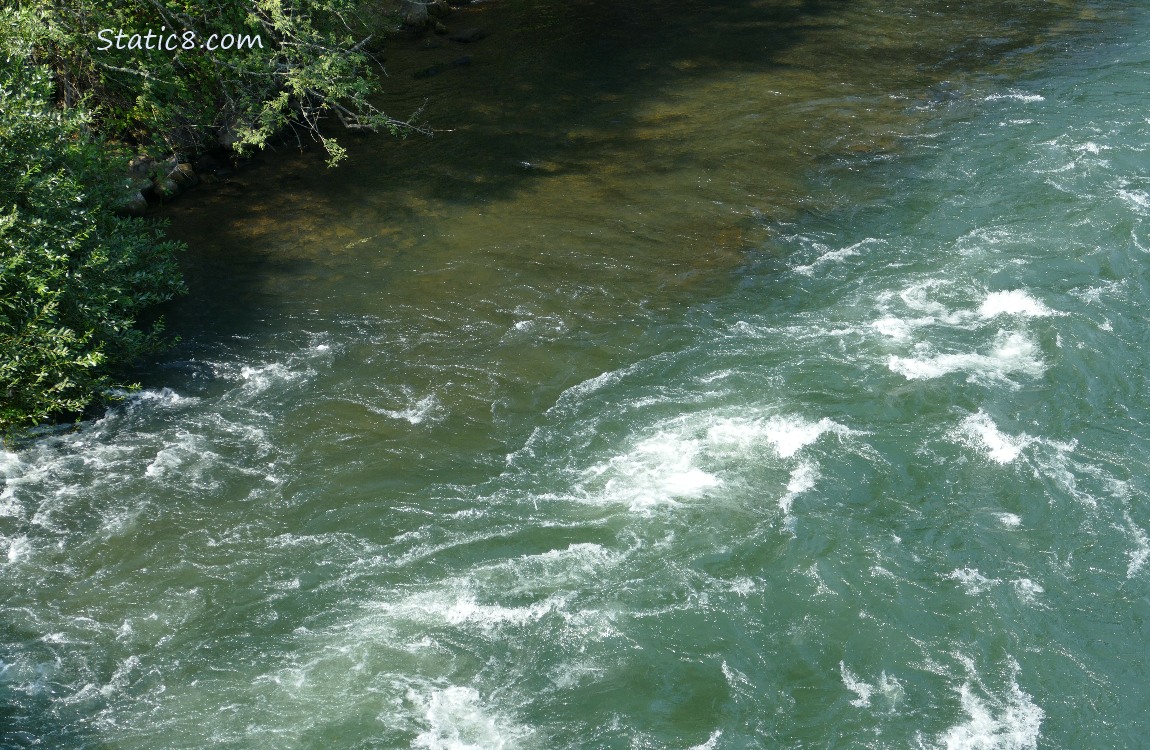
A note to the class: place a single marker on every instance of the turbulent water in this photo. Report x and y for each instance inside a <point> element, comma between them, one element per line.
<point>770,381</point>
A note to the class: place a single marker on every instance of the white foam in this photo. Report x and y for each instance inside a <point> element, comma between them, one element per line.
<point>895,328</point>
<point>575,674</point>
<point>1027,589</point>
<point>921,300</point>
<point>787,435</point>
<point>546,324</point>
<point>461,608</point>
<point>738,681</point>
<point>258,379</point>
<point>10,473</point>
<point>1141,552</point>
<point>456,719</point>
<point>742,328</point>
<point>972,581</point>
<point>1090,147</point>
<point>1093,295</point>
<point>1014,302</point>
<point>742,586</point>
<point>1139,199</point>
<point>863,690</point>
<point>121,676</point>
<point>821,586</point>
<point>831,256</point>
<point>686,457</point>
<point>1009,519</point>
<point>979,431</point>
<point>659,470</point>
<point>596,383</point>
<point>466,610</point>
<point>1013,724</point>
<point>1012,353</point>
<point>803,478</point>
<point>10,464</point>
<point>421,410</point>
<point>1059,467</point>
<point>18,548</point>
<point>555,570</point>
<point>164,397</point>
<point>1017,96</point>
<point>891,689</point>
<point>185,456</point>
<point>920,297</point>
<point>975,583</point>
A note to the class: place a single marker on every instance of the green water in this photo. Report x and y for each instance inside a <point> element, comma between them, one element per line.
<point>729,375</point>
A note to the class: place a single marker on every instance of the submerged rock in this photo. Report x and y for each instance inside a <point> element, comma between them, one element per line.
<point>428,72</point>
<point>141,166</point>
<point>467,36</point>
<point>133,204</point>
<point>212,167</point>
<point>415,13</point>
<point>165,188</point>
<point>184,175</point>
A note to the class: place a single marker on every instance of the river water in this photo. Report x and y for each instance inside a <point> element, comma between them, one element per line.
<point>720,375</point>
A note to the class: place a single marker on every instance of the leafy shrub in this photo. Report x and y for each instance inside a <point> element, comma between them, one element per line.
<point>74,277</point>
<point>312,64</point>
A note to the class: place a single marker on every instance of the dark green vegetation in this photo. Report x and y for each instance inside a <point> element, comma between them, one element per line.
<point>80,90</point>
<point>276,64</point>
<point>74,277</point>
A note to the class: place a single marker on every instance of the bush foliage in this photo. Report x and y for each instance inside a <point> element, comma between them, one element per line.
<point>74,277</point>
<point>311,64</point>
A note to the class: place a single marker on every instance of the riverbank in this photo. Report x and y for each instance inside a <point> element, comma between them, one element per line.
<point>404,28</point>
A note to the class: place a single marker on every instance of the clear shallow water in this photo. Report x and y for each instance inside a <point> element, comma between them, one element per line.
<point>853,457</point>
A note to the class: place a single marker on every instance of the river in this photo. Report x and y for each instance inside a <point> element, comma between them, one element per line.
<point>720,375</point>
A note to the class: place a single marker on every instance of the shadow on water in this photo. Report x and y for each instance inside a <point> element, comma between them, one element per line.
<point>641,147</point>
<point>551,96</point>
